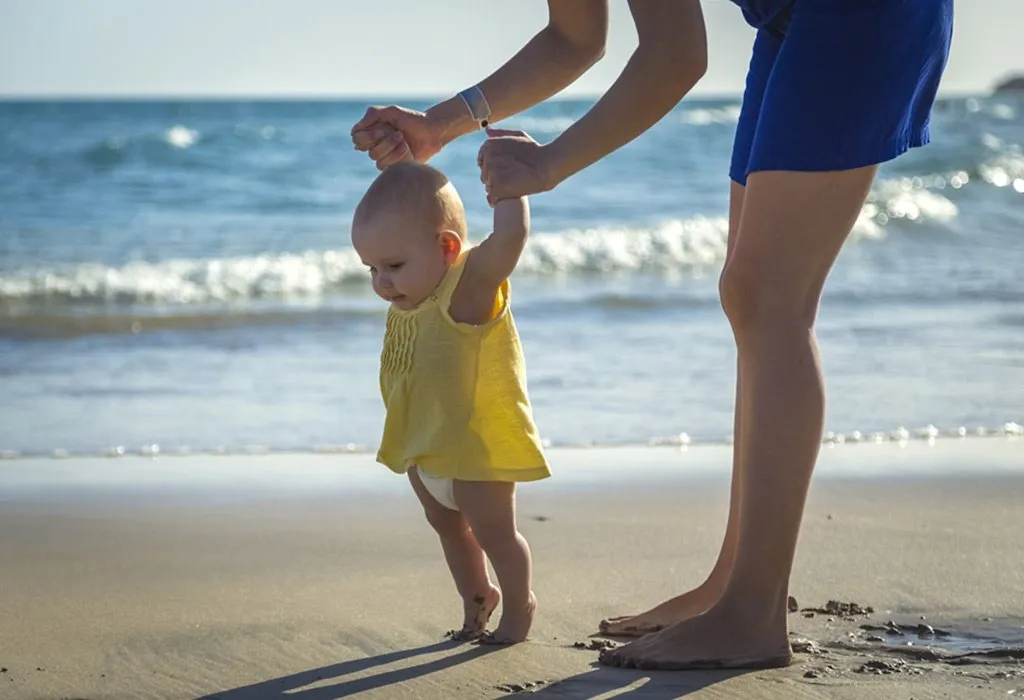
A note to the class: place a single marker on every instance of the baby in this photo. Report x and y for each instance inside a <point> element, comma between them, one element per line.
<point>452,376</point>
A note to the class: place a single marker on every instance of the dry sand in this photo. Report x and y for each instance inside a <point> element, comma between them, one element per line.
<point>315,577</point>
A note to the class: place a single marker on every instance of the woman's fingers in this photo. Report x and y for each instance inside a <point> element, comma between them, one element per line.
<point>482,160</point>
<point>365,139</point>
<point>399,153</point>
<point>500,180</point>
<point>373,116</point>
<point>386,146</point>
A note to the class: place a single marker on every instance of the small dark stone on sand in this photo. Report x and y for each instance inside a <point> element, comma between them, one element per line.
<point>792,604</point>
<point>3,670</point>
<point>886,667</point>
<point>804,646</point>
<point>519,687</point>
<point>809,613</point>
<point>924,630</point>
<point>821,671</point>
<point>890,628</point>
<point>541,518</point>
<point>893,629</point>
<point>842,609</point>
<point>595,645</point>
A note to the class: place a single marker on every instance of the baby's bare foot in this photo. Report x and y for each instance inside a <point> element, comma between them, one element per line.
<point>514,626</point>
<point>478,611</point>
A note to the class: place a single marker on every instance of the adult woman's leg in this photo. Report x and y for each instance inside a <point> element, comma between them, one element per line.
<point>764,54</point>
<point>792,227</point>
<point>696,601</point>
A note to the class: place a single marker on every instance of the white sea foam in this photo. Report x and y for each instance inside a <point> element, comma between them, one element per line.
<point>538,125</point>
<point>181,137</point>
<point>910,199</point>
<point>676,246</point>
<point>705,116</point>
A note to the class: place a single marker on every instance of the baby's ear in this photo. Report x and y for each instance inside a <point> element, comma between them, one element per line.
<point>451,246</point>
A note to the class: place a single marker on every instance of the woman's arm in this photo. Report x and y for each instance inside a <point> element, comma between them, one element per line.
<point>572,42</point>
<point>554,58</point>
<point>670,59</point>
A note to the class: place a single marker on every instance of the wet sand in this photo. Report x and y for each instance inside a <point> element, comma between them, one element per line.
<point>315,577</point>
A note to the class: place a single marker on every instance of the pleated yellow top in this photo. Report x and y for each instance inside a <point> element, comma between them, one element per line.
<point>455,393</point>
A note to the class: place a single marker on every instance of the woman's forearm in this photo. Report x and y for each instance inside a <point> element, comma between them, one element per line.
<point>552,60</point>
<point>658,75</point>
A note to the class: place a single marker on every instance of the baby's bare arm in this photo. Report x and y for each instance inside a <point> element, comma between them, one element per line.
<point>491,262</point>
<point>498,255</point>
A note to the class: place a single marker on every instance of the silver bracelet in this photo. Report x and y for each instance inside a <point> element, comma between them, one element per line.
<point>477,105</point>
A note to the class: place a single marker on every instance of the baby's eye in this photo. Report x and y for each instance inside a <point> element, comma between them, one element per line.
<point>395,266</point>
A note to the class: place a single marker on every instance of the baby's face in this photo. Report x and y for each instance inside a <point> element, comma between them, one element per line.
<point>406,262</point>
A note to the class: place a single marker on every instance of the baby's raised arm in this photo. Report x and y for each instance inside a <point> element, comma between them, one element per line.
<point>492,261</point>
<point>497,256</point>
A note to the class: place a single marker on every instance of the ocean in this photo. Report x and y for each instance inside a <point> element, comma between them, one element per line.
<point>177,276</point>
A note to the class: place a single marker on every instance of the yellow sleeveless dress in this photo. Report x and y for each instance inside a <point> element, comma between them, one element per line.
<point>456,395</point>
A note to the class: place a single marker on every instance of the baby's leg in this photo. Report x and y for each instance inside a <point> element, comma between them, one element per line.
<point>465,561</point>
<point>490,509</point>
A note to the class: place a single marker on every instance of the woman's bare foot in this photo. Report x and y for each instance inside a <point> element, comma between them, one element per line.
<point>514,626</point>
<point>666,614</point>
<point>718,639</point>
<point>477,614</point>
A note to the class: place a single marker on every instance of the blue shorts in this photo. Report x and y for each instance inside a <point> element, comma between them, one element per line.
<point>841,84</point>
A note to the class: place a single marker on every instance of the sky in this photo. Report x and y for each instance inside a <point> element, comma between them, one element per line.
<point>362,48</point>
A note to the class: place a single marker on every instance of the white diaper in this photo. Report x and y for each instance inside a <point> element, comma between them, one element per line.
<point>443,490</point>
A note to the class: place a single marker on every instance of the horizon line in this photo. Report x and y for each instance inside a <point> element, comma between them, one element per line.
<point>393,98</point>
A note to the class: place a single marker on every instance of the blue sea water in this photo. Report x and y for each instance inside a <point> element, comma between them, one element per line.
<point>180,274</point>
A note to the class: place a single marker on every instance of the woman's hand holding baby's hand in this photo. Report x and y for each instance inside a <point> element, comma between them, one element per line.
<point>393,134</point>
<point>513,165</point>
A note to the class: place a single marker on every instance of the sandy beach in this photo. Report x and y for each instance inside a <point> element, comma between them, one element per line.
<point>315,577</point>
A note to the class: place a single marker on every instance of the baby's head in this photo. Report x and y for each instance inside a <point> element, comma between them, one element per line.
<point>409,227</point>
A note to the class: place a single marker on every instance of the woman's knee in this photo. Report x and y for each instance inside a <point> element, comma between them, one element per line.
<point>754,294</point>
